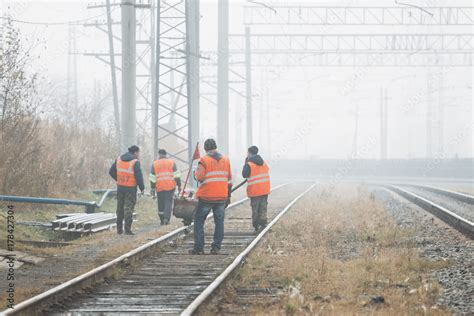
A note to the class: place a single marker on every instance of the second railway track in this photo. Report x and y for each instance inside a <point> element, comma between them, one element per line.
<point>455,209</point>
<point>170,282</point>
<point>461,204</point>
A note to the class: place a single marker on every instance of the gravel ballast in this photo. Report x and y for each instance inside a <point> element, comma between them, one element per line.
<point>438,241</point>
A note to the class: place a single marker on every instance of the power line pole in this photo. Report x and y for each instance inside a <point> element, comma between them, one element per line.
<point>223,76</point>
<point>383,123</point>
<point>248,86</point>
<point>155,103</point>
<point>74,47</point>
<point>72,69</point>
<point>356,132</point>
<point>440,116</point>
<point>267,117</point>
<point>429,116</point>
<point>192,72</point>
<point>112,72</point>
<point>129,133</point>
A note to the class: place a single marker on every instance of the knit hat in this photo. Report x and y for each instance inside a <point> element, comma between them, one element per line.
<point>210,144</point>
<point>253,150</point>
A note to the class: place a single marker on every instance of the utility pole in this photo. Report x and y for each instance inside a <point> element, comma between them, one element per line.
<point>267,118</point>
<point>155,103</point>
<point>76,93</point>
<point>192,72</point>
<point>356,132</point>
<point>223,76</point>
<point>429,116</point>
<point>383,123</point>
<point>129,133</point>
<point>72,69</point>
<point>248,86</point>
<point>112,72</point>
<point>440,116</point>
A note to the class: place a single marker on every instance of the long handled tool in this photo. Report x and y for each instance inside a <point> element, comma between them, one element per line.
<point>238,186</point>
<point>196,155</point>
<point>233,189</point>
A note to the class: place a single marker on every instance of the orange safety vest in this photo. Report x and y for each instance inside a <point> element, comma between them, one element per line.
<point>258,183</point>
<point>164,175</point>
<point>125,173</point>
<point>215,184</point>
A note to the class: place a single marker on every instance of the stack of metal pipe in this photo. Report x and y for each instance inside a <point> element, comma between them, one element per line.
<point>84,223</point>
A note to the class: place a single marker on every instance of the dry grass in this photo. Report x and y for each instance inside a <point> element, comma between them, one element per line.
<point>331,255</point>
<point>20,295</point>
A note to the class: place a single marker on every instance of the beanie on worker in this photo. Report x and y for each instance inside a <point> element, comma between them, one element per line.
<point>210,144</point>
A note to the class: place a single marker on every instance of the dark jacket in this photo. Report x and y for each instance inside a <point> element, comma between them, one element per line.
<point>136,170</point>
<point>176,179</point>
<point>256,159</point>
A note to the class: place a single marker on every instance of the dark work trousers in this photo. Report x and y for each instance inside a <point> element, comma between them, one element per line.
<point>165,205</point>
<point>202,210</point>
<point>125,206</point>
<point>259,211</point>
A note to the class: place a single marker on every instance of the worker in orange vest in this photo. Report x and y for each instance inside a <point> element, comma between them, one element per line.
<point>256,172</point>
<point>128,174</point>
<point>164,177</point>
<point>215,183</point>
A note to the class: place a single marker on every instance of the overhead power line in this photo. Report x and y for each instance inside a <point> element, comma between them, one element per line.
<point>54,23</point>
<point>414,6</point>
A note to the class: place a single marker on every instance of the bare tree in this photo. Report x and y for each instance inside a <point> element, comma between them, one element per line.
<point>19,102</point>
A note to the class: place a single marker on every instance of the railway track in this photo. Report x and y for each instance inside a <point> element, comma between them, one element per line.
<point>168,281</point>
<point>454,208</point>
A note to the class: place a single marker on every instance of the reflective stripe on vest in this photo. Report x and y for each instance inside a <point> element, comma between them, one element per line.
<point>164,175</point>
<point>125,173</point>
<point>210,177</point>
<point>216,180</point>
<point>258,183</point>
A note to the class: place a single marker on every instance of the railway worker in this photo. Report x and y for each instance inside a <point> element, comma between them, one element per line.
<point>215,183</point>
<point>164,177</point>
<point>127,173</point>
<point>256,172</point>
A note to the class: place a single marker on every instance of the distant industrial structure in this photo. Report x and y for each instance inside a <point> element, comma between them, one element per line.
<point>166,74</point>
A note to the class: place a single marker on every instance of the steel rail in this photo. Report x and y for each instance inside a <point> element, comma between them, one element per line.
<point>466,198</point>
<point>91,206</point>
<point>201,298</point>
<point>33,305</point>
<point>56,294</point>
<point>454,220</point>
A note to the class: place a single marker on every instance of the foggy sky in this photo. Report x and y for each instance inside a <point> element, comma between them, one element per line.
<point>312,111</point>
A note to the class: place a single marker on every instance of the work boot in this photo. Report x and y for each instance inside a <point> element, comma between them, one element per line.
<point>214,251</point>
<point>119,230</point>
<point>129,232</point>
<point>195,252</point>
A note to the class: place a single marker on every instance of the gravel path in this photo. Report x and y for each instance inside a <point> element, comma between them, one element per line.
<point>464,210</point>
<point>438,241</point>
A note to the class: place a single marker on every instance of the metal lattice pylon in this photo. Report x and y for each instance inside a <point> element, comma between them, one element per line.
<point>171,115</point>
